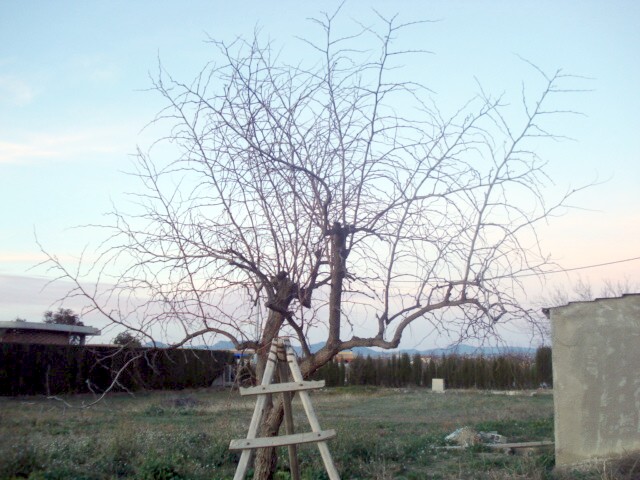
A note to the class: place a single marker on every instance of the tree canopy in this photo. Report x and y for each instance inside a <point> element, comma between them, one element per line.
<point>126,339</point>
<point>63,316</point>
<point>329,197</point>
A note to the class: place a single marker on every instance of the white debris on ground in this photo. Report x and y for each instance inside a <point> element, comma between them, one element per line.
<point>492,437</point>
<point>467,436</point>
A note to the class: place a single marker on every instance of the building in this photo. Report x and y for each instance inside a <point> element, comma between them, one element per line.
<point>47,333</point>
<point>596,378</point>
<point>345,356</point>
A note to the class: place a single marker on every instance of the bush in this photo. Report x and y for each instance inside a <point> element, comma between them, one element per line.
<point>21,460</point>
<point>158,469</point>
<point>62,473</point>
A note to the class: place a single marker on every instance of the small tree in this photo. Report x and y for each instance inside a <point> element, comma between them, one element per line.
<point>127,339</point>
<point>416,369</point>
<point>544,366</point>
<point>404,369</point>
<point>582,290</point>
<point>63,316</point>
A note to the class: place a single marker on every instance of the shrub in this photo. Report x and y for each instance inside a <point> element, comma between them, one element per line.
<point>63,473</point>
<point>20,460</point>
<point>158,469</point>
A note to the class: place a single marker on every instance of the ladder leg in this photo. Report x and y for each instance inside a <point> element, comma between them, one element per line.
<point>311,415</point>
<point>258,411</point>
<point>288,414</point>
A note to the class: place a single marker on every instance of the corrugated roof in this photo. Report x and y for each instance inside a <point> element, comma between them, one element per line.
<point>49,327</point>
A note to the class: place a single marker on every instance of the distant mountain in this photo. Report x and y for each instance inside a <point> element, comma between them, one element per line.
<point>155,345</point>
<point>221,345</point>
<point>463,349</point>
<point>460,349</point>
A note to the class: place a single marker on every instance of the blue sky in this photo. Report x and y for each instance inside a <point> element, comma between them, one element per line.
<point>73,105</point>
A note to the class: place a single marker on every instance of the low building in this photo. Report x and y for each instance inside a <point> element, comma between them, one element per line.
<point>44,333</point>
<point>596,378</point>
<point>345,356</point>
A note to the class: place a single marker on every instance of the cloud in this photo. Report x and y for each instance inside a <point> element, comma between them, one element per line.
<point>16,92</point>
<point>66,147</point>
<point>32,258</point>
<point>96,68</point>
<point>28,296</point>
<point>17,152</point>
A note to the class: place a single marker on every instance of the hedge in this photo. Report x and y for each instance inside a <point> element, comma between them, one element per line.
<point>35,369</point>
<point>498,372</point>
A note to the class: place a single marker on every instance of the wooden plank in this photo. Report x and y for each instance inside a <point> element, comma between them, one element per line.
<point>329,466</point>
<point>269,370</point>
<point>317,435</point>
<point>310,437</point>
<point>508,446</point>
<point>283,376</point>
<point>282,387</point>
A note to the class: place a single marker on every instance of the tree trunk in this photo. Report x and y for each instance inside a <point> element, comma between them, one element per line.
<point>266,458</point>
<point>265,462</point>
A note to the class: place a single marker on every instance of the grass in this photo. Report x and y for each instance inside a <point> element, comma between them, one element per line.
<point>382,434</point>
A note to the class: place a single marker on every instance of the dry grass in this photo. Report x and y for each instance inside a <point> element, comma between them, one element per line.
<point>382,434</point>
<point>623,467</point>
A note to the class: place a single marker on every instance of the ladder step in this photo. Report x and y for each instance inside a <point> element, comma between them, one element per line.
<point>507,446</point>
<point>282,441</point>
<point>282,387</point>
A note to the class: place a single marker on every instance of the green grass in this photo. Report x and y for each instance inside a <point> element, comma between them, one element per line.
<point>382,434</point>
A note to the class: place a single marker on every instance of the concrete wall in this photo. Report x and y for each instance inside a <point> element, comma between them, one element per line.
<point>596,377</point>
<point>437,385</point>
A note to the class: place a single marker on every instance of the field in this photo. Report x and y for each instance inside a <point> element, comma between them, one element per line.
<point>382,434</point>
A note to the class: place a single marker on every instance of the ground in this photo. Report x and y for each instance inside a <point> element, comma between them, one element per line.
<point>381,434</point>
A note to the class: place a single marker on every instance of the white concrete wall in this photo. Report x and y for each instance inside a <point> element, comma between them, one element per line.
<point>437,385</point>
<point>596,378</point>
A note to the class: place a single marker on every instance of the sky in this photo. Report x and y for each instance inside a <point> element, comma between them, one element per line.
<point>74,101</point>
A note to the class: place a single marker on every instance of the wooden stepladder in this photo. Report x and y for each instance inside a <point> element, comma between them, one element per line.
<point>280,353</point>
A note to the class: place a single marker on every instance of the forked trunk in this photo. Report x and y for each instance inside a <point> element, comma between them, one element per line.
<point>266,458</point>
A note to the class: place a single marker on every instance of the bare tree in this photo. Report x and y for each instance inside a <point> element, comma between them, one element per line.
<point>326,198</point>
<point>582,290</point>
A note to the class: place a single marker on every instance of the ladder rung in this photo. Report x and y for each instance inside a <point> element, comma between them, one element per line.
<point>282,441</point>
<point>282,387</point>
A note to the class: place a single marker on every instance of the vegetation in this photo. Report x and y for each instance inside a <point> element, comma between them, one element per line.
<point>500,372</point>
<point>127,339</point>
<point>544,369</point>
<point>38,369</point>
<point>169,435</point>
<point>63,316</point>
<point>61,369</point>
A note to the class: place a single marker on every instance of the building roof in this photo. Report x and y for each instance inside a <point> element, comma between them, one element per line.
<point>49,327</point>
<point>547,310</point>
